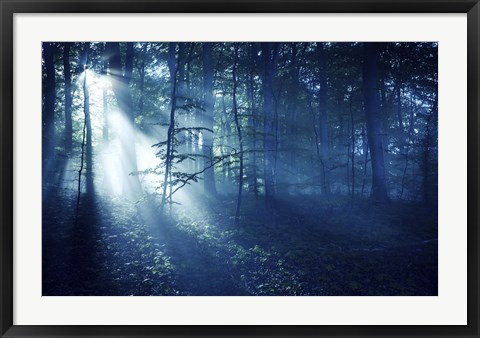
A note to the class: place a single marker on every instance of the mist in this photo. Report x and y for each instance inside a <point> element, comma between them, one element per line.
<point>239,168</point>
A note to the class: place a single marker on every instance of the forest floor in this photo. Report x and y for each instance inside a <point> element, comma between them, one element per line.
<point>305,247</point>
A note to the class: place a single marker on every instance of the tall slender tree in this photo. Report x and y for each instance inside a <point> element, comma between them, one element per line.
<point>253,120</point>
<point>173,66</point>
<point>105,96</point>
<point>374,129</point>
<point>68,96</point>
<point>88,120</point>
<point>269,55</point>
<point>48,116</point>
<point>208,118</point>
<point>239,132</point>
<point>322,114</point>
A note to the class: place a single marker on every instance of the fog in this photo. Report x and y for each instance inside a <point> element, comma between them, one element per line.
<point>269,168</point>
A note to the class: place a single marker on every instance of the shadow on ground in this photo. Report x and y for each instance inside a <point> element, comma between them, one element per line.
<point>298,248</point>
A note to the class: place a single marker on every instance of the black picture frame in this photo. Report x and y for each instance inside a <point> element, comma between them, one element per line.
<point>10,7</point>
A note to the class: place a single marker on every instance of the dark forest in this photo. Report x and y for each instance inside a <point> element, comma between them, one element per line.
<point>239,168</point>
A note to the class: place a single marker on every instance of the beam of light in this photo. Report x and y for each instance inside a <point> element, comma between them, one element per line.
<point>146,159</point>
<point>69,176</point>
<point>116,162</point>
<point>113,163</point>
<point>114,159</point>
<point>200,140</point>
<point>88,74</point>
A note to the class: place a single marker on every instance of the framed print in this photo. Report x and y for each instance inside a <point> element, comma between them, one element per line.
<point>239,169</point>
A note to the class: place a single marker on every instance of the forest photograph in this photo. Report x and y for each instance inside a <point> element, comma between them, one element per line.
<point>239,168</point>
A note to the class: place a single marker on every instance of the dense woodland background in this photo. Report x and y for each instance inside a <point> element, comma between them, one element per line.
<point>239,168</point>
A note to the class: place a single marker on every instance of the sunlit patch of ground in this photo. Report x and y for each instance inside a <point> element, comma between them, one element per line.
<point>301,248</point>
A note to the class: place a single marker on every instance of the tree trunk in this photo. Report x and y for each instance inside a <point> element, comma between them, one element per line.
<point>372,111</point>
<point>141,72</point>
<point>68,96</point>
<point>48,117</point>
<point>173,68</point>
<point>352,140</point>
<point>208,116</point>
<point>365,161</point>
<point>407,149</point>
<point>105,136</point>
<point>88,124</point>
<point>292,109</point>
<point>239,132</point>
<point>398,90</point>
<point>253,119</point>
<point>427,179</point>
<point>323,123</point>
<point>269,53</point>
<point>85,154</point>
<point>226,167</point>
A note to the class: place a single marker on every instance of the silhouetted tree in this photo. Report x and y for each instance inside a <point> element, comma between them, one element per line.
<point>372,111</point>
<point>48,116</point>
<point>239,132</point>
<point>68,96</point>
<point>209,176</point>
<point>173,66</point>
<point>322,113</point>
<point>269,54</point>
